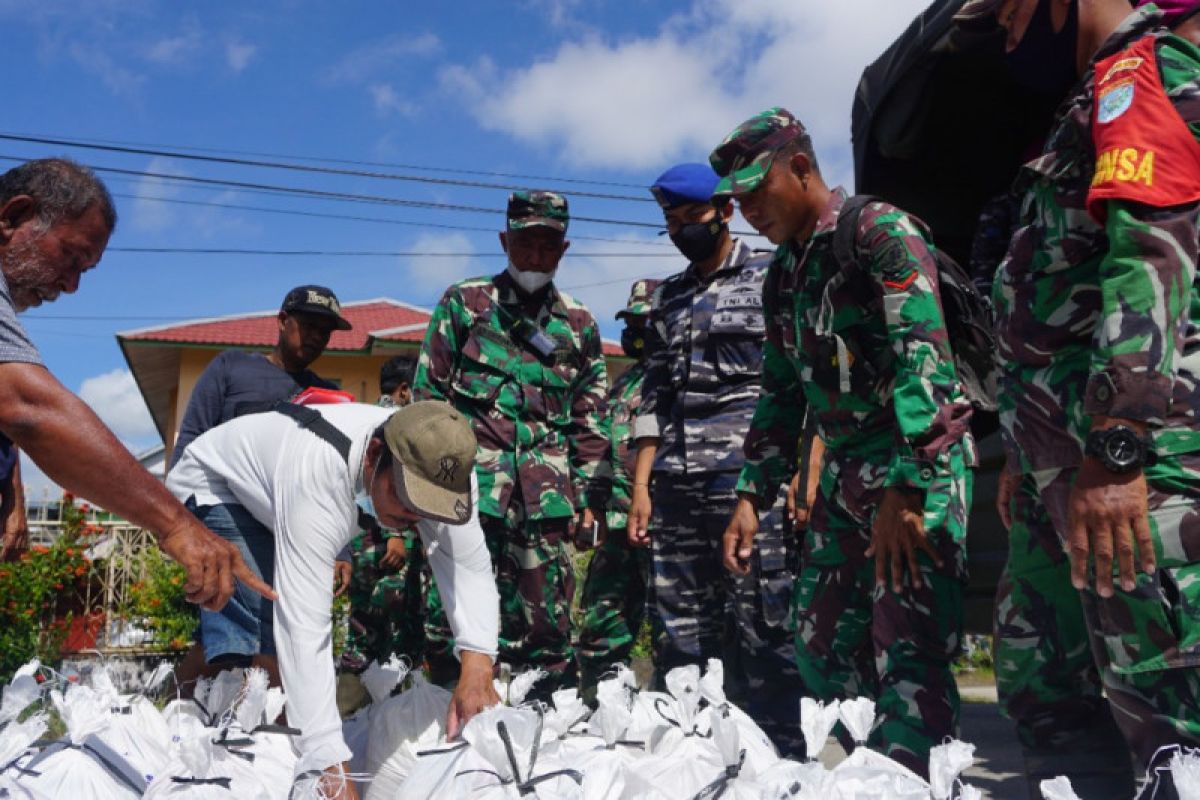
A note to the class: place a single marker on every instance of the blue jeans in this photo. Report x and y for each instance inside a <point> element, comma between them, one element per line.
<point>245,626</point>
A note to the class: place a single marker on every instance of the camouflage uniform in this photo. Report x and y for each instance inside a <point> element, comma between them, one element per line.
<point>538,418</point>
<point>615,589</point>
<point>704,350</point>
<point>387,609</point>
<point>868,356</point>
<point>1100,318</point>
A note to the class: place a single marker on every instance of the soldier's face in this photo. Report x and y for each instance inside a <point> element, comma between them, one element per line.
<point>778,207</point>
<point>690,214</point>
<point>536,249</point>
<point>41,263</point>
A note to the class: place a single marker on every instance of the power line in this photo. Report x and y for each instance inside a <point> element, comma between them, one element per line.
<point>239,251</point>
<point>292,191</point>
<point>263,164</point>
<point>140,318</point>
<point>354,218</point>
<point>342,196</point>
<point>351,162</point>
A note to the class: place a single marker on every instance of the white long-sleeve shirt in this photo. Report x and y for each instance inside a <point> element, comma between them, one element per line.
<point>297,485</point>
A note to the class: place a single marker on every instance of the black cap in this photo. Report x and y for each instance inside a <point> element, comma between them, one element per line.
<point>316,300</point>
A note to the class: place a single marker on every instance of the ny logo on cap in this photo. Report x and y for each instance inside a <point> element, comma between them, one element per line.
<point>447,469</point>
<point>318,299</point>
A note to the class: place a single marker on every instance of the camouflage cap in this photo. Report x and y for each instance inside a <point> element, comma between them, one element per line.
<point>639,298</point>
<point>745,156</point>
<point>527,209</point>
<point>434,451</point>
<point>978,14</point>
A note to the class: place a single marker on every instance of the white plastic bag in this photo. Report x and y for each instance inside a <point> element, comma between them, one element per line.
<point>1185,772</point>
<point>1059,788</point>
<point>380,680</point>
<point>816,723</point>
<point>405,717</point>
<point>867,775</point>
<point>858,717</point>
<point>946,762</point>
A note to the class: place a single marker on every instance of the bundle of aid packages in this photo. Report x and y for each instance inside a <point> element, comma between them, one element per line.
<point>689,742</point>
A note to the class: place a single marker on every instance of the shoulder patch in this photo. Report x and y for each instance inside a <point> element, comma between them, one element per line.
<point>896,266</point>
<point>1114,100</point>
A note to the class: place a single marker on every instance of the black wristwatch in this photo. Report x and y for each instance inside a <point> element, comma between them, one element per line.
<point>1120,449</point>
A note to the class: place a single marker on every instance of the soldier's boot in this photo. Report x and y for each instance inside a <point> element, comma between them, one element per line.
<point>1096,759</point>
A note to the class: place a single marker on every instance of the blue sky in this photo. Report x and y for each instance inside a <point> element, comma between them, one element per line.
<point>560,90</point>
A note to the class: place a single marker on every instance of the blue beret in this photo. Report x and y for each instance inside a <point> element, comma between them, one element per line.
<point>683,184</point>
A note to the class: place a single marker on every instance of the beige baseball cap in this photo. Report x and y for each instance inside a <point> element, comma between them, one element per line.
<point>434,450</point>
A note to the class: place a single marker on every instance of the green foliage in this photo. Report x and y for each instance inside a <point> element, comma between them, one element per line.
<point>42,592</point>
<point>157,602</point>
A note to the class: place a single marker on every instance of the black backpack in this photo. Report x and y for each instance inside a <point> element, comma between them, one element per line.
<point>970,321</point>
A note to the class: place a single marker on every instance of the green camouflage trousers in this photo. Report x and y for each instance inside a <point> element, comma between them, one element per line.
<point>614,605</point>
<point>536,585</point>
<point>1046,675</point>
<point>1147,642</point>
<point>854,638</point>
<point>386,610</point>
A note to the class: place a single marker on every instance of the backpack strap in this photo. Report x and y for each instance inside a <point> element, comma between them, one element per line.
<point>308,417</point>
<point>845,233</point>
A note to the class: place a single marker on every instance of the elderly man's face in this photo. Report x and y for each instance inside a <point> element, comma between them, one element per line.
<point>535,249</point>
<point>40,264</point>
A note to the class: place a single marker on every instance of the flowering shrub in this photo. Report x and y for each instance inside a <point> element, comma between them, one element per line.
<point>42,592</point>
<point>157,602</point>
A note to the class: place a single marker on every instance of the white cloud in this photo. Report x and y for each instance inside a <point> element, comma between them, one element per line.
<point>148,214</point>
<point>388,101</point>
<point>176,50</point>
<point>366,62</point>
<point>238,54</point>
<point>639,103</point>
<point>119,80</point>
<point>115,398</point>
<point>427,277</point>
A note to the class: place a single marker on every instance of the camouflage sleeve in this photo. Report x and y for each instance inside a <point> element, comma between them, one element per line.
<point>1146,280</point>
<point>601,486</point>
<point>770,446</point>
<point>1146,286</point>
<point>931,411</point>
<point>589,445</point>
<point>658,393</point>
<point>439,352</point>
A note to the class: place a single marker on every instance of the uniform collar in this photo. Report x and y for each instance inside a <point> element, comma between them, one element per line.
<point>508,294</point>
<point>829,217</point>
<point>739,254</point>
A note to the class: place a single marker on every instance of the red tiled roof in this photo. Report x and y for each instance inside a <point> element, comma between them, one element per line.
<point>259,329</point>
<point>381,320</point>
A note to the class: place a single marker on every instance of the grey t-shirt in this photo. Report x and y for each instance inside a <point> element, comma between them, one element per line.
<point>15,344</point>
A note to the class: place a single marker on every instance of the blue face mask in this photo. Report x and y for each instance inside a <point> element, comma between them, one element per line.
<point>366,505</point>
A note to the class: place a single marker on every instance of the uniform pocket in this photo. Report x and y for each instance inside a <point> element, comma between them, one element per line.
<point>485,364</point>
<point>1157,626</point>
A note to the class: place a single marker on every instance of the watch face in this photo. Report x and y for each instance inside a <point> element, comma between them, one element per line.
<point>1123,449</point>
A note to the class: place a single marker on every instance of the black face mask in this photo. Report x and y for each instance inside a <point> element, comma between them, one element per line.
<point>699,240</point>
<point>633,342</point>
<point>1044,61</point>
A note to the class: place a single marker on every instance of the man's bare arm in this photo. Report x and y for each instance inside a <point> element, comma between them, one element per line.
<point>77,451</point>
